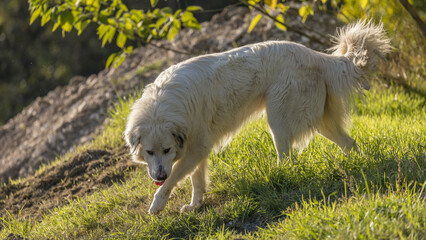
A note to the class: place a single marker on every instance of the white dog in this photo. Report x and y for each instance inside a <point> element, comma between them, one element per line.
<point>200,103</point>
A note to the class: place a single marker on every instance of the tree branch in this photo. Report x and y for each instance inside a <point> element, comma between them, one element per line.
<point>324,41</point>
<point>414,15</point>
<point>170,49</point>
<point>144,41</point>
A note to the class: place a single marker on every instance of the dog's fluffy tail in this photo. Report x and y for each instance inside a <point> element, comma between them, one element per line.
<point>363,43</point>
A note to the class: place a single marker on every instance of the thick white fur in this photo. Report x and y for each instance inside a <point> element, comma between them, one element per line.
<point>198,104</point>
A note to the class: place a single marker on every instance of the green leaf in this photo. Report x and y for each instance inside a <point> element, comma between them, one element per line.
<point>67,27</point>
<point>66,20</point>
<point>110,34</point>
<point>159,23</point>
<point>55,26</point>
<point>103,19</point>
<point>128,26</point>
<point>35,15</point>
<point>283,8</point>
<point>111,59</point>
<point>121,40</point>
<point>363,3</point>
<point>279,24</point>
<point>167,11</point>
<point>102,29</point>
<point>305,11</point>
<point>153,3</point>
<point>94,5</point>
<point>176,24</point>
<point>77,26</point>
<point>154,33</point>
<point>128,50</point>
<point>271,3</point>
<point>254,22</point>
<point>137,13</point>
<point>106,12</point>
<point>119,13</point>
<point>187,16</point>
<point>106,34</point>
<point>123,7</point>
<point>148,39</point>
<point>156,12</point>
<point>83,26</point>
<point>104,41</point>
<point>172,33</point>
<point>253,2</point>
<point>45,19</point>
<point>177,13</point>
<point>194,25</point>
<point>194,8</point>
<point>120,60</point>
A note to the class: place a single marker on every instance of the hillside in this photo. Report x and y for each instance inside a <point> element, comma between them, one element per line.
<point>87,188</point>
<point>48,127</point>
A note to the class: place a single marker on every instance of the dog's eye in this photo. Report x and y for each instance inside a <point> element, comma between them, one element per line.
<point>165,151</point>
<point>150,152</point>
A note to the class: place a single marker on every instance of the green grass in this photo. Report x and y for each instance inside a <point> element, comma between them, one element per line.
<point>325,194</point>
<point>395,215</point>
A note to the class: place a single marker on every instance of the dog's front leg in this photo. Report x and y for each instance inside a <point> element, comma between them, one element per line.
<point>161,197</point>
<point>182,168</point>
<point>198,180</point>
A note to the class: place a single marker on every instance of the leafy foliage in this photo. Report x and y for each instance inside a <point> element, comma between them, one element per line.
<point>115,21</point>
<point>276,10</point>
<point>277,6</point>
<point>34,60</point>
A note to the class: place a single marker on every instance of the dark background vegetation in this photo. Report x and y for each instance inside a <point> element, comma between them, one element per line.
<point>35,60</point>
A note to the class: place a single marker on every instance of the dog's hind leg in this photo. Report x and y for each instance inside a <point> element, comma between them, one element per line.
<point>281,135</point>
<point>196,155</point>
<point>198,180</point>
<point>293,111</point>
<point>338,135</point>
<point>333,122</point>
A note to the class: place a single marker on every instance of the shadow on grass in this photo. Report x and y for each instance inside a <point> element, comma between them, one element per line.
<point>272,197</point>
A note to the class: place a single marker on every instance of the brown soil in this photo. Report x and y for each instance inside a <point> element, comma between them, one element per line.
<point>76,177</point>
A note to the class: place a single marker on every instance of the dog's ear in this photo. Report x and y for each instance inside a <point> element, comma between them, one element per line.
<point>180,138</point>
<point>133,139</point>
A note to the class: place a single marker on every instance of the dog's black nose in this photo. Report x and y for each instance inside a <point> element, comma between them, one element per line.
<point>161,174</point>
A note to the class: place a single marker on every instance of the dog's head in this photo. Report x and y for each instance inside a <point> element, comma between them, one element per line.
<point>157,145</point>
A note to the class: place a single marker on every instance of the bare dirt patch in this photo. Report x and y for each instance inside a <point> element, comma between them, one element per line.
<point>80,175</point>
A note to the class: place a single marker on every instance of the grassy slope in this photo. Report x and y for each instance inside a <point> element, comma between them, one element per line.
<point>377,195</point>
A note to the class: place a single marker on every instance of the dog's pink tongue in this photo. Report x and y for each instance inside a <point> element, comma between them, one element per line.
<point>159,183</point>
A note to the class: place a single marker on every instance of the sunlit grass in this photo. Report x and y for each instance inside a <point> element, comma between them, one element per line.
<point>394,215</point>
<point>318,193</point>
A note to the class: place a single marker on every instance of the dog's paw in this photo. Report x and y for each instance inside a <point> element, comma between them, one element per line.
<point>155,209</point>
<point>188,208</point>
<point>158,204</point>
